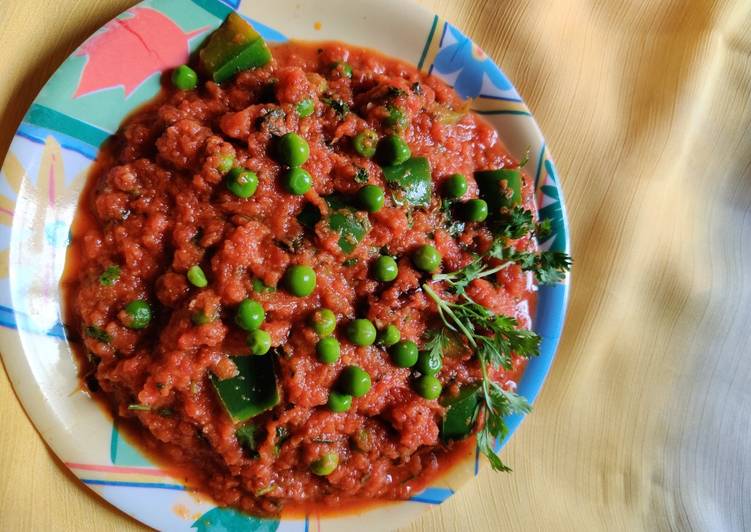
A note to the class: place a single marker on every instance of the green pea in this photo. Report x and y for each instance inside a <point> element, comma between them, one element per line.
<point>297,181</point>
<point>392,150</point>
<point>328,350</point>
<point>339,402</point>
<point>354,381</point>
<point>196,277</point>
<point>306,107</point>
<point>371,198</point>
<point>385,269</point>
<point>184,78</point>
<point>293,150</point>
<point>404,354</point>
<point>455,186</point>
<point>365,143</point>
<point>259,342</point>
<point>325,465</point>
<point>324,322</point>
<point>226,162</point>
<point>428,387</point>
<point>361,332</point>
<point>300,280</point>
<point>250,315</point>
<point>139,314</point>
<point>429,362</point>
<point>427,258</point>
<point>241,182</point>
<point>389,336</point>
<point>475,210</point>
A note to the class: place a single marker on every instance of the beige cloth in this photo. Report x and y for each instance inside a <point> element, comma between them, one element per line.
<point>644,421</point>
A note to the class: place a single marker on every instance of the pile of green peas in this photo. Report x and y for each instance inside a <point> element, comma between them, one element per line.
<point>294,151</point>
<point>249,316</point>
<point>405,354</point>
<point>473,210</point>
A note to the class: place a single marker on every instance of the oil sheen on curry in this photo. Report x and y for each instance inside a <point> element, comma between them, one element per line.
<point>306,273</point>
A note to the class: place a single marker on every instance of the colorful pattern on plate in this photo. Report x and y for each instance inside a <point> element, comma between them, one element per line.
<point>112,73</point>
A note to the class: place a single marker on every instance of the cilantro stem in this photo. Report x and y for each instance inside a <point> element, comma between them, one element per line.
<point>444,307</point>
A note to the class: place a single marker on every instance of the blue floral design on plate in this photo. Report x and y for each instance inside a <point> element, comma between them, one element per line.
<point>229,520</point>
<point>462,63</point>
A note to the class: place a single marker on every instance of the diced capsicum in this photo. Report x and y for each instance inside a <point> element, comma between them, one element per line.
<point>500,188</point>
<point>235,46</point>
<point>252,391</point>
<point>461,413</point>
<point>344,220</point>
<point>413,178</point>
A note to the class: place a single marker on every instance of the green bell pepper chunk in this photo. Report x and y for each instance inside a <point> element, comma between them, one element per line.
<point>493,191</point>
<point>461,413</point>
<point>344,220</point>
<point>235,46</point>
<point>413,178</point>
<point>252,391</point>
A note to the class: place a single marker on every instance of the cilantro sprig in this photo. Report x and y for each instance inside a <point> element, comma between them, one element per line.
<point>495,339</point>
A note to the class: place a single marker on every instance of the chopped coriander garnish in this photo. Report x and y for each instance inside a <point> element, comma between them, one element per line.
<point>98,334</point>
<point>349,262</point>
<point>110,275</point>
<point>361,175</point>
<point>394,92</point>
<point>341,107</point>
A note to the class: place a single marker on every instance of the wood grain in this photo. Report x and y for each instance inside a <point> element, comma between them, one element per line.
<point>644,421</point>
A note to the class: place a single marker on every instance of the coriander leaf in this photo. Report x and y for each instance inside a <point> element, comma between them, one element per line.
<point>98,334</point>
<point>516,223</point>
<point>361,175</point>
<point>110,275</point>
<point>549,267</point>
<point>544,229</point>
<point>341,107</point>
<point>437,341</point>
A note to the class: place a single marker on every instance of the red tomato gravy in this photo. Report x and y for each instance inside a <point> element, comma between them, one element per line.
<point>155,205</point>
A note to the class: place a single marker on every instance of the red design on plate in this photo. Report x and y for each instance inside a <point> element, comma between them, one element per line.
<point>128,51</point>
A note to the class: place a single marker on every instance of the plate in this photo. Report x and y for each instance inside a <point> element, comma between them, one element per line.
<point>109,75</point>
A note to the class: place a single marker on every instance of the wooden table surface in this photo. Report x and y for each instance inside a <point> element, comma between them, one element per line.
<point>644,421</point>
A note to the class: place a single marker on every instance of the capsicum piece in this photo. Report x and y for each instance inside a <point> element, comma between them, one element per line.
<point>413,178</point>
<point>235,46</point>
<point>252,391</point>
<point>500,188</point>
<point>344,220</point>
<point>461,413</point>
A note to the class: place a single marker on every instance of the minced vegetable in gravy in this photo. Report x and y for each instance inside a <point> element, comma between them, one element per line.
<point>159,335</point>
